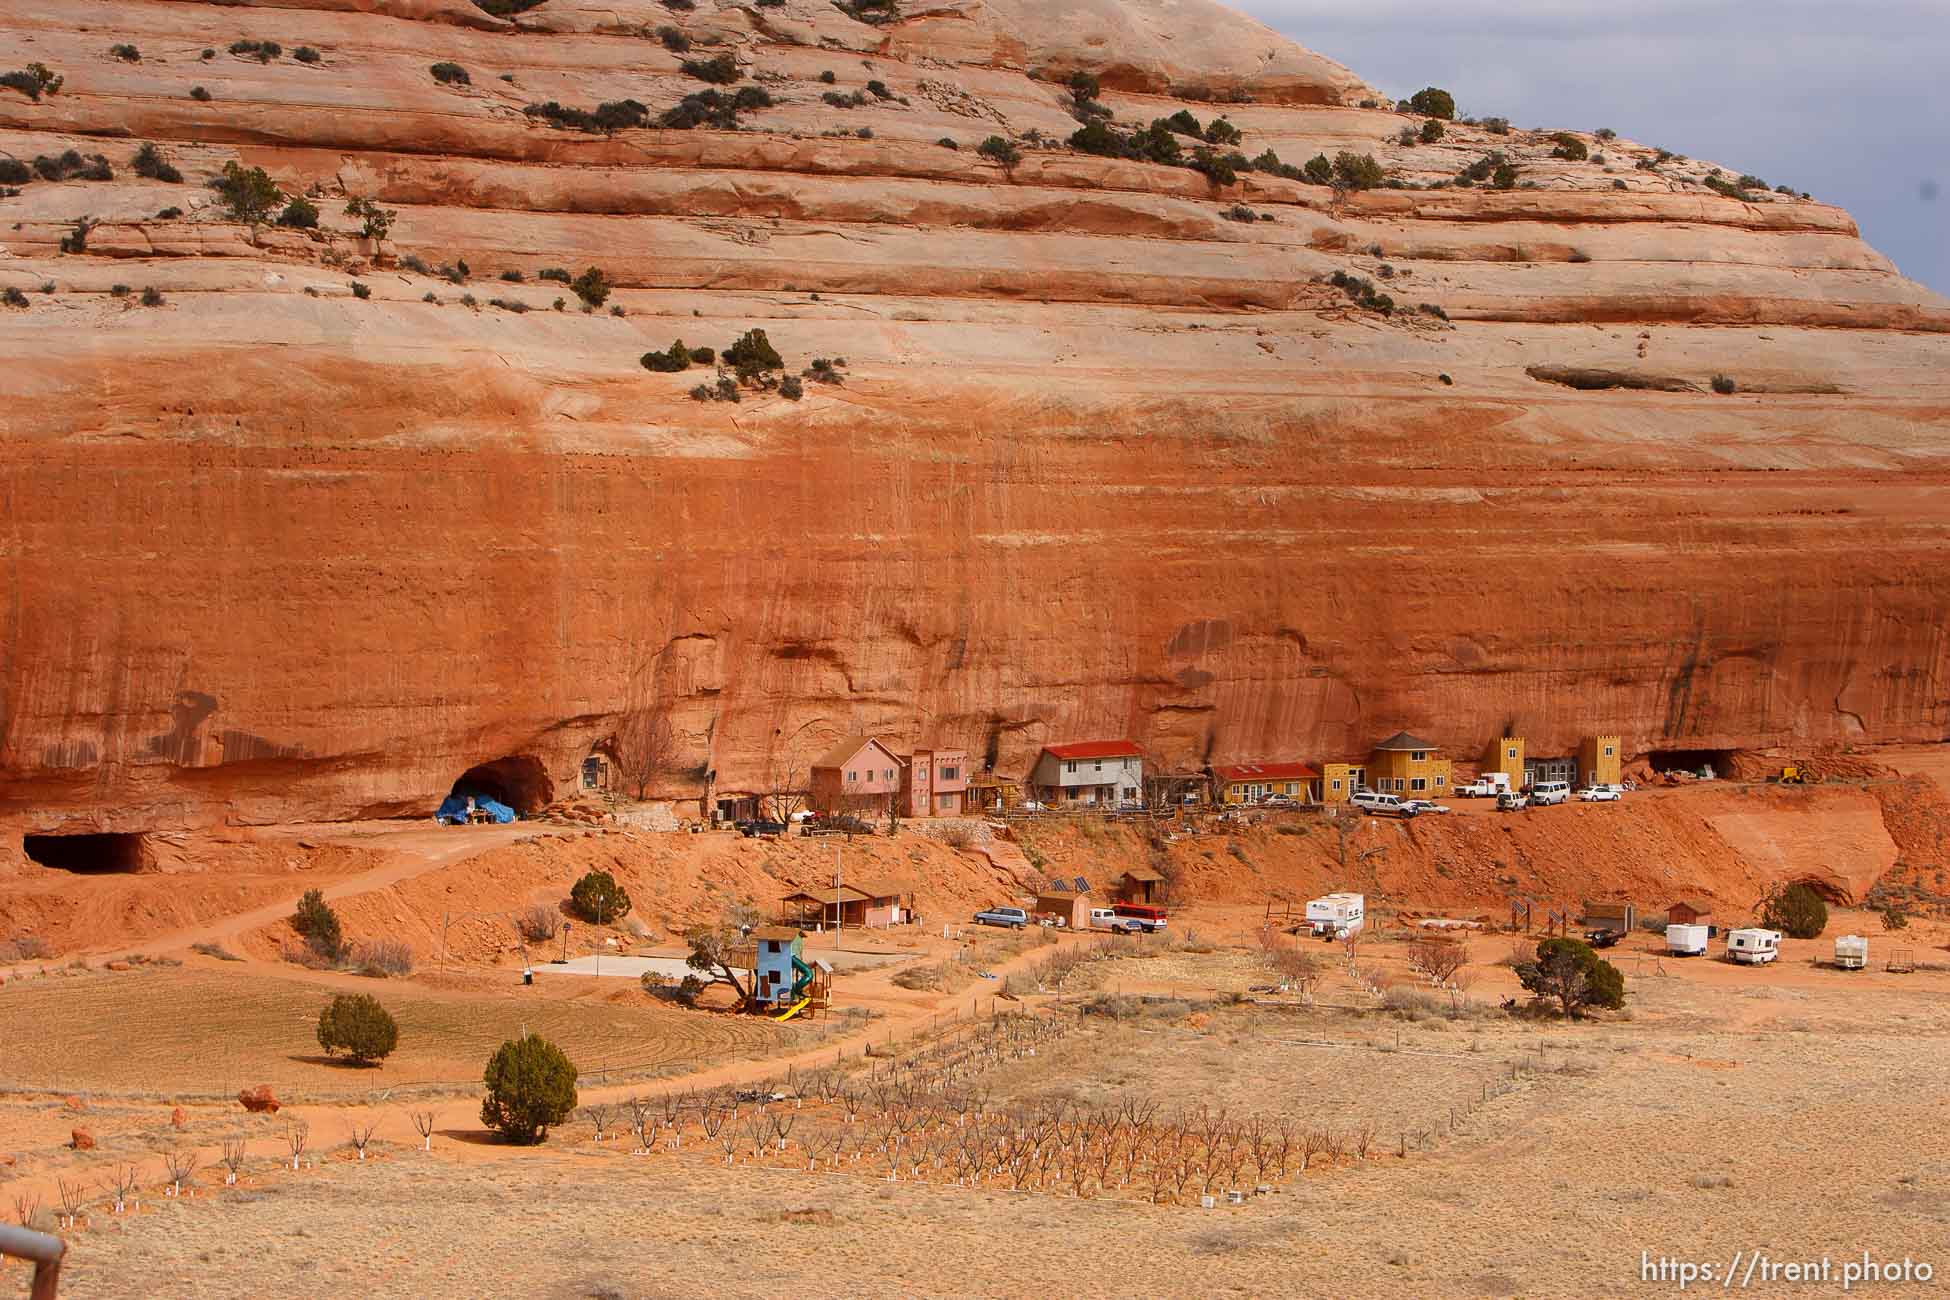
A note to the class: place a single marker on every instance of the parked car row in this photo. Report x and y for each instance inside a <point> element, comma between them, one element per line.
<point>1123,918</point>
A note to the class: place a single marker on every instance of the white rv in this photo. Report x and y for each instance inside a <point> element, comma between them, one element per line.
<point>1753,947</point>
<point>1852,952</point>
<point>1337,916</point>
<point>1686,940</point>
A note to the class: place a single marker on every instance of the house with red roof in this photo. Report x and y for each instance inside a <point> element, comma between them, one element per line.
<point>1250,783</point>
<point>1099,773</point>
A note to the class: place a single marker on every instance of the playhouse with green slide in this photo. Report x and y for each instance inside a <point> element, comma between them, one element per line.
<point>784,984</point>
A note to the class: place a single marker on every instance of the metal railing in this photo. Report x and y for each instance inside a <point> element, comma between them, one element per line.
<point>44,1250</point>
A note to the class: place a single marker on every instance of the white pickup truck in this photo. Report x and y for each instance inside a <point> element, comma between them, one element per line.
<point>1484,787</point>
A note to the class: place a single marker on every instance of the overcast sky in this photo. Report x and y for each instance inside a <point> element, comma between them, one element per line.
<point>1849,101</point>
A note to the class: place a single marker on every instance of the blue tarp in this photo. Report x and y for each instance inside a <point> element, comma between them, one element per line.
<point>453,809</point>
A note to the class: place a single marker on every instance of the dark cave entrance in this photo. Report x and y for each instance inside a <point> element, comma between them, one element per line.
<point>1691,760</point>
<point>519,781</point>
<point>92,854</point>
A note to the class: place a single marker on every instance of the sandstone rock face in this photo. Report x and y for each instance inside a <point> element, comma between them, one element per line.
<point>1108,459</point>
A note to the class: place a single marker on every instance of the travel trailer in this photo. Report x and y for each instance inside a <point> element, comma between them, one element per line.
<point>1754,947</point>
<point>1852,952</point>
<point>1337,916</point>
<point>1686,941</point>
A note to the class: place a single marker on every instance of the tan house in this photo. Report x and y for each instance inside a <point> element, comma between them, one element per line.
<point>859,776</point>
<point>866,906</point>
<point>934,783</point>
<point>1250,783</point>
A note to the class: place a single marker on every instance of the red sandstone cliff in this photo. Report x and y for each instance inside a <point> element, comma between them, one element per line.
<point>1105,461</point>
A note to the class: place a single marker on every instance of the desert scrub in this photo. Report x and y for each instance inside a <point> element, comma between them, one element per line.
<point>150,162</point>
<point>450,74</point>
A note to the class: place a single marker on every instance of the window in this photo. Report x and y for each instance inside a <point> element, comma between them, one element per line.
<point>1100,765</point>
<point>1292,788</point>
<point>889,774</point>
<point>1336,784</point>
<point>1607,751</point>
<point>1071,767</point>
<point>1418,784</point>
<point>853,776</point>
<point>1416,756</point>
<point>1441,779</point>
<point>1513,751</point>
<point>950,773</point>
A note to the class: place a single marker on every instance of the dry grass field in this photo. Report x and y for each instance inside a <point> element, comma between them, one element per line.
<point>1792,1117</point>
<point>189,1034</point>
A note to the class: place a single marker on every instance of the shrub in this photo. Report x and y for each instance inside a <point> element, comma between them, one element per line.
<point>1220,131</point>
<point>753,354</point>
<point>318,925</point>
<point>1568,972</point>
<point>538,922</point>
<point>249,194</point>
<point>199,94</point>
<point>1796,911</point>
<point>1569,147</point>
<point>701,393</point>
<point>1504,177</point>
<point>33,81</point>
<point>149,162</point>
<point>13,297</point>
<point>791,389</point>
<point>720,70</point>
<point>591,287</point>
<point>1240,212</point>
<point>15,172</point>
<point>262,51</point>
<point>1497,125</point>
<point>555,273</point>
<point>878,89</point>
<point>378,221</point>
<point>1724,385</point>
<point>152,296</point>
<point>613,115</point>
<point>216,950</point>
<point>1431,101</point>
<point>360,291</point>
<point>357,1025</point>
<point>71,165</point>
<point>1606,134</point>
<point>597,897</point>
<point>1318,170</point>
<point>1000,150</point>
<point>76,240</point>
<point>126,53</point>
<point>299,214</point>
<point>513,276</point>
<point>380,958</point>
<point>169,214</point>
<point>118,291</point>
<point>676,42</point>
<point>305,54</point>
<point>1432,130</point>
<point>947,143</point>
<point>530,1086</point>
<point>1356,171</point>
<point>703,356</point>
<point>677,358</point>
<point>450,74</point>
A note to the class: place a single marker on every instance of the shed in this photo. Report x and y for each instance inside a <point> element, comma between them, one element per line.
<point>1684,913</point>
<point>1070,907</point>
<point>1138,885</point>
<point>1619,918</point>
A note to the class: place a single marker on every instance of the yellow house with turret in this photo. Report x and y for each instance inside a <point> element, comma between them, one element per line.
<point>1339,780</point>
<point>1601,760</point>
<point>1505,755</point>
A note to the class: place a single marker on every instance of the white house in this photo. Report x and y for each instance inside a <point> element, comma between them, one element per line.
<point>1097,772</point>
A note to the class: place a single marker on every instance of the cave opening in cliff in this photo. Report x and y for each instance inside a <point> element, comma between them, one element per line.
<point>1691,760</point>
<point>92,854</point>
<point>520,781</point>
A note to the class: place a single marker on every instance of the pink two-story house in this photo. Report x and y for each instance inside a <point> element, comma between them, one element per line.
<point>934,783</point>
<point>859,775</point>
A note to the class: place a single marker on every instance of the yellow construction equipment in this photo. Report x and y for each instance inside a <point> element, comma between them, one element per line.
<point>1792,774</point>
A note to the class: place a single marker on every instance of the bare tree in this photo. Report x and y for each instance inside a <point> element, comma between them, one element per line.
<point>233,1160</point>
<point>644,745</point>
<point>423,1125</point>
<point>786,776</point>
<point>297,1134</point>
<point>181,1165</point>
<point>711,954</point>
<point>361,1137</point>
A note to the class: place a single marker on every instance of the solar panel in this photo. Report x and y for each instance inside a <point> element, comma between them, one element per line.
<point>1083,886</point>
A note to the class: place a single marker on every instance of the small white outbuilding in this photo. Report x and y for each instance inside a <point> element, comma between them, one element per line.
<point>1851,952</point>
<point>1337,916</point>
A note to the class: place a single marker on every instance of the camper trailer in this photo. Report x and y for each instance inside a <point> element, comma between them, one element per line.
<point>1686,941</point>
<point>1852,952</point>
<point>1337,916</point>
<point>1753,947</point>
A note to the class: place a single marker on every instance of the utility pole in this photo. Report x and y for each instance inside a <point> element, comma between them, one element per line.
<point>839,904</point>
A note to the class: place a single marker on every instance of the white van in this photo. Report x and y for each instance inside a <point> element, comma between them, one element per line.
<point>1549,792</point>
<point>1754,947</point>
<point>1379,804</point>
